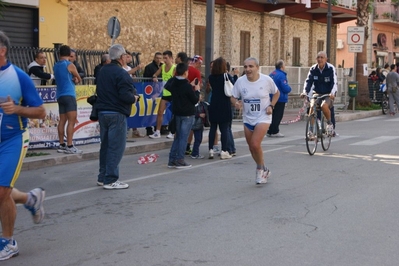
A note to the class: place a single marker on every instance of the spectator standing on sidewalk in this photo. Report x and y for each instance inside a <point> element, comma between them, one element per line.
<point>200,120</point>
<point>67,76</point>
<point>219,109</point>
<point>279,77</point>
<point>19,100</point>
<point>115,96</point>
<point>254,89</point>
<point>73,58</point>
<point>393,89</point>
<point>149,71</point>
<point>104,60</point>
<point>167,71</point>
<point>184,100</point>
<point>36,70</point>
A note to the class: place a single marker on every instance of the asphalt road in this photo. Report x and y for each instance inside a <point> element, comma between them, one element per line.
<point>334,208</point>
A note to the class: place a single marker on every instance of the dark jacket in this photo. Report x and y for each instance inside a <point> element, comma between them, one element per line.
<point>80,70</point>
<point>324,82</point>
<point>220,106</point>
<point>280,79</point>
<point>36,71</point>
<point>97,71</point>
<point>184,98</point>
<point>200,122</point>
<point>151,69</point>
<point>115,91</point>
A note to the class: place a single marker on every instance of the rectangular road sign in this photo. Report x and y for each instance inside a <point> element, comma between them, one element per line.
<point>355,48</point>
<point>355,35</point>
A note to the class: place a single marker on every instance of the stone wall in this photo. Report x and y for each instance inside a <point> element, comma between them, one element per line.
<point>148,26</point>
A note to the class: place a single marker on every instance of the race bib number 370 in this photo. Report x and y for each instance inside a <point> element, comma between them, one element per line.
<point>252,105</point>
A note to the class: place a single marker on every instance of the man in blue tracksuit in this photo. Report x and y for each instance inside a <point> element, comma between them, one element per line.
<point>280,78</point>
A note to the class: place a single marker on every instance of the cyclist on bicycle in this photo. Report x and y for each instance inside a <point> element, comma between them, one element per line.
<point>322,78</point>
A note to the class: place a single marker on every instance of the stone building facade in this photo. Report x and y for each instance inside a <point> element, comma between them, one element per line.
<point>148,26</point>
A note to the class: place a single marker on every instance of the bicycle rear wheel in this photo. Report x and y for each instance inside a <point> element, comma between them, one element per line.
<point>311,134</point>
<point>325,137</point>
<point>385,105</point>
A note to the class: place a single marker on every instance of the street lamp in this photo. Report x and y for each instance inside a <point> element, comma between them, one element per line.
<point>329,30</point>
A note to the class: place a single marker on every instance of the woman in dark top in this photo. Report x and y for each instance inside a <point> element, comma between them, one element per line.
<point>219,108</point>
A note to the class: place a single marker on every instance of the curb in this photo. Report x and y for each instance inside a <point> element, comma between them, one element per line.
<point>342,116</point>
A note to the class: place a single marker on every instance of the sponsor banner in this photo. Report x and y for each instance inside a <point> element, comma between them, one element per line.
<point>43,132</point>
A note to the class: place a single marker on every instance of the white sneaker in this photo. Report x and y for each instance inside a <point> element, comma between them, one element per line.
<point>210,154</point>
<point>156,135</point>
<point>225,155</point>
<point>330,129</point>
<point>37,209</point>
<point>260,179</point>
<point>8,249</point>
<point>266,175</point>
<point>170,136</point>
<point>277,135</point>
<point>116,185</point>
<point>216,149</point>
<point>72,150</point>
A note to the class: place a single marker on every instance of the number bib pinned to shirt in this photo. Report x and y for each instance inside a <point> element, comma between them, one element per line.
<point>252,106</point>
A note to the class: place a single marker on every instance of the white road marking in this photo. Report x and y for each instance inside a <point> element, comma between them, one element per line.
<point>375,141</point>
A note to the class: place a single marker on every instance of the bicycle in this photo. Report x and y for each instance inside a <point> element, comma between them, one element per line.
<point>385,105</point>
<point>316,128</point>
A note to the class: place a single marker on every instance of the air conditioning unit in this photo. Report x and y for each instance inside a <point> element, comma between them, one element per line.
<point>340,44</point>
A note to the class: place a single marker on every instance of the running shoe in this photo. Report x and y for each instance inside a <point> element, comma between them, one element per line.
<point>260,179</point>
<point>156,135</point>
<point>8,249</point>
<point>170,136</point>
<point>277,135</point>
<point>172,165</point>
<point>225,155</point>
<point>210,154</point>
<point>72,150</point>
<point>199,156</point>
<point>36,209</point>
<point>116,185</point>
<point>100,183</point>
<point>61,149</point>
<point>330,129</point>
<point>311,136</point>
<point>181,164</point>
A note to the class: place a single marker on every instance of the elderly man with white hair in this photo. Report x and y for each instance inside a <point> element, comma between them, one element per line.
<point>115,96</point>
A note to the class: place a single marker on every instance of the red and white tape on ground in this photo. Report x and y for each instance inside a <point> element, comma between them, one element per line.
<point>301,111</point>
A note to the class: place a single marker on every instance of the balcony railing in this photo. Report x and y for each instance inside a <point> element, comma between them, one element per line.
<point>351,4</point>
<point>386,12</point>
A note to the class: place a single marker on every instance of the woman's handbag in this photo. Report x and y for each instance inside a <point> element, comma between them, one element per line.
<point>228,86</point>
<point>94,113</point>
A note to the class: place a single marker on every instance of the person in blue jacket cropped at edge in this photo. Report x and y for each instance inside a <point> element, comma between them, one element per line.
<point>279,77</point>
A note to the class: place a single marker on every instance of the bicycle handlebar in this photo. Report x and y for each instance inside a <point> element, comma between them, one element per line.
<point>317,96</point>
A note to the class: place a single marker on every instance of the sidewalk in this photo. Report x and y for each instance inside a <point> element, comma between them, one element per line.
<point>146,145</point>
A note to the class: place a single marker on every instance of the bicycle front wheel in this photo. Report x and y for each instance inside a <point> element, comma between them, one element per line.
<point>325,137</point>
<point>311,134</point>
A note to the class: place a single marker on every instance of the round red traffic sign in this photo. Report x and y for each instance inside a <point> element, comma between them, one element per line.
<point>355,38</point>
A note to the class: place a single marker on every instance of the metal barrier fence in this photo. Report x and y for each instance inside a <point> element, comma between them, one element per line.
<point>87,59</point>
